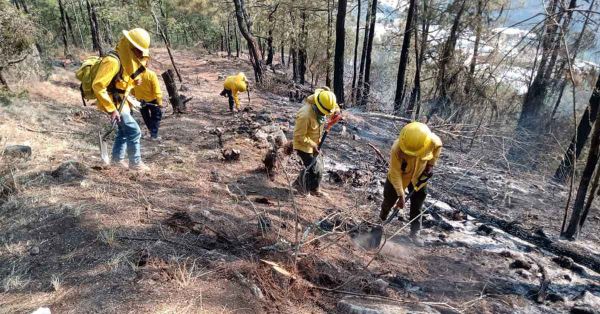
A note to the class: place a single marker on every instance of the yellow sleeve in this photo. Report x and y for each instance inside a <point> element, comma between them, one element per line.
<point>235,95</point>
<point>395,172</point>
<point>301,131</point>
<point>109,67</point>
<point>157,91</point>
<point>437,150</point>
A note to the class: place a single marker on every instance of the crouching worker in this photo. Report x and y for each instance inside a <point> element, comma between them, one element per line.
<point>413,156</point>
<point>117,74</point>
<point>150,96</point>
<point>232,87</point>
<point>310,121</point>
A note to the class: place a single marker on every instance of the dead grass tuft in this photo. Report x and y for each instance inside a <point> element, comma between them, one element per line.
<point>108,237</point>
<point>17,279</point>
<point>56,282</point>
<point>8,183</point>
<point>185,271</point>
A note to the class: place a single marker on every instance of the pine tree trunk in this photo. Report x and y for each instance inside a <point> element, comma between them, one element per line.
<point>294,54</point>
<point>108,33</point>
<point>473,63</point>
<point>63,23</point>
<point>363,57</point>
<point>448,53</point>
<point>167,44</point>
<point>282,53</point>
<point>245,27</point>
<point>340,45</point>
<point>71,31</point>
<point>583,131</point>
<point>563,32</point>
<point>302,55</point>
<point>533,103</point>
<point>237,42</point>
<point>95,32</point>
<point>367,82</point>
<point>576,222</point>
<point>329,34</point>
<point>401,77</point>
<point>270,49</point>
<point>415,95</point>
<point>356,39</point>
<point>228,38</point>
<point>559,71</point>
<point>78,25</point>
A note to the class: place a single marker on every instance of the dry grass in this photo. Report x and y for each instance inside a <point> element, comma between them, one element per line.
<point>56,282</point>
<point>185,271</point>
<point>17,279</point>
<point>108,237</point>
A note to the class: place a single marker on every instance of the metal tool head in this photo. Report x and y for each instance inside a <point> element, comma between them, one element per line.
<point>369,240</point>
<point>103,149</point>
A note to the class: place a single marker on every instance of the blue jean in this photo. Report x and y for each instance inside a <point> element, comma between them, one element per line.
<point>128,136</point>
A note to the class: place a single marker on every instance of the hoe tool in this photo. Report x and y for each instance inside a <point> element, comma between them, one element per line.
<point>372,240</point>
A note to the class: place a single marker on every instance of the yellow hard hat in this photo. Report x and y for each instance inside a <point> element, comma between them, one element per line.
<point>415,140</point>
<point>325,101</point>
<point>140,39</point>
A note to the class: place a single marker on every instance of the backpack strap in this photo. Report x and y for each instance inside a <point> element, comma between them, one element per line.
<point>112,89</point>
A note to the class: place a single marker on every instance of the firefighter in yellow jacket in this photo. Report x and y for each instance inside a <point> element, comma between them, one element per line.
<point>308,129</point>
<point>413,156</point>
<point>232,87</point>
<point>150,96</point>
<point>114,77</point>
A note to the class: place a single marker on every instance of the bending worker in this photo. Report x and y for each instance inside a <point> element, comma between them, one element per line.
<point>232,87</point>
<point>413,156</point>
<point>310,121</point>
<point>150,96</point>
<point>114,77</point>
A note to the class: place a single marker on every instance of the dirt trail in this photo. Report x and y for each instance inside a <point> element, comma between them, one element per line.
<point>185,237</point>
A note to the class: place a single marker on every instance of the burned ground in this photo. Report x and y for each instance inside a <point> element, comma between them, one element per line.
<point>193,234</point>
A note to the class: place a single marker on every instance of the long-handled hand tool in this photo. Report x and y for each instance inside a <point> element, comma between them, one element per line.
<point>373,239</point>
<point>102,137</point>
<point>337,117</point>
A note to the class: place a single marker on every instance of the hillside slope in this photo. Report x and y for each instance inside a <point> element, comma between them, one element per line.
<point>186,237</point>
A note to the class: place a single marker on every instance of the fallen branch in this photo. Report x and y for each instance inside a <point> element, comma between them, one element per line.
<point>378,152</point>
<point>379,297</point>
<point>52,131</point>
<point>544,283</point>
<point>262,222</point>
<point>187,246</point>
<point>580,256</point>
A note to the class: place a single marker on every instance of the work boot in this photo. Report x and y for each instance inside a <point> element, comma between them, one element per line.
<point>318,193</point>
<point>141,167</point>
<point>119,164</point>
<point>415,238</point>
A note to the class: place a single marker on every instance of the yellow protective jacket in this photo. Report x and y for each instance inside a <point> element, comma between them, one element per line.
<point>405,169</point>
<point>307,130</point>
<point>109,68</point>
<point>236,84</point>
<point>149,90</point>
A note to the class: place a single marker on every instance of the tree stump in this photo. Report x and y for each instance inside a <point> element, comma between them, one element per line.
<point>174,97</point>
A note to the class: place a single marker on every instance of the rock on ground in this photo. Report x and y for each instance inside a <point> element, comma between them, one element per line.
<point>17,151</point>
<point>70,171</point>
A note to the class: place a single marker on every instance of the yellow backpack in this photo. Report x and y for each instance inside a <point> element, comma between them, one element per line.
<point>87,73</point>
